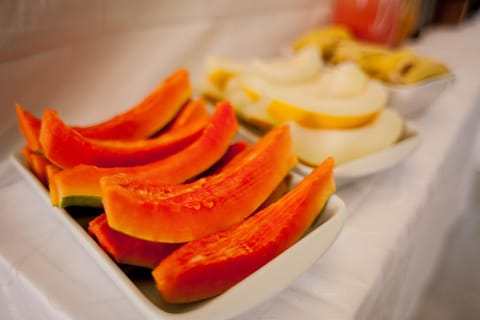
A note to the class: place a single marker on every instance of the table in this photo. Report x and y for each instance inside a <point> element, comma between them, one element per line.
<point>398,220</point>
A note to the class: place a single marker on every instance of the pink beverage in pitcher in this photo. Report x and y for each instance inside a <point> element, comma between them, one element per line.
<point>370,20</point>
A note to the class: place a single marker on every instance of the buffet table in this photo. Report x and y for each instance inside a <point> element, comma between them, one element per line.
<point>397,223</point>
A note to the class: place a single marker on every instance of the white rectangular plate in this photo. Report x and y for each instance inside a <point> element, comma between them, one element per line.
<point>261,285</point>
<point>414,99</point>
<point>374,163</point>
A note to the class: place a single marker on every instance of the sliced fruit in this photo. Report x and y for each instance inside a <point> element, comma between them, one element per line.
<point>317,120</point>
<point>30,127</point>
<point>389,65</point>
<point>210,265</point>
<point>302,66</point>
<point>248,104</point>
<point>323,39</point>
<point>421,69</point>
<point>27,155</point>
<point>81,184</point>
<point>346,80</point>
<point>126,249</point>
<point>39,167</point>
<point>147,117</point>
<point>139,122</point>
<point>256,114</point>
<point>51,171</point>
<point>339,98</point>
<point>351,50</point>
<point>234,157</point>
<point>67,148</point>
<point>312,146</point>
<point>219,71</point>
<point>180,213</point>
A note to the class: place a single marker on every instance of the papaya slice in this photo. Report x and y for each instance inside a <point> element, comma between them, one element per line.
<point>208,266</point>
<point>180,213</point>
<point>51,171</point>
<point>29,127</point>
<point>27,155</point>
<point>67,148</point>
<point>150,115</point>
<point>81,185</point>
<point>140,122</point>
<point>39,166</point>
<point>126,249</point>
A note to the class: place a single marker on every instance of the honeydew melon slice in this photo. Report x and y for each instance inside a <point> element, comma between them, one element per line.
<point>311,104</point>
<point>346,80</point>
<point>218,73</point>
<point>248,105</point>
<point>300,67</point>
<point>313,146</point>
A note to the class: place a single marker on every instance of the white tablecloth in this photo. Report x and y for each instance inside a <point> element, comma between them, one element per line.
<point>90,62</point>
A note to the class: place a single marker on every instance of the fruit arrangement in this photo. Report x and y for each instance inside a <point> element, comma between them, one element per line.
<point>174,189</point>
<point>392,66</point>
<point>333,111</point>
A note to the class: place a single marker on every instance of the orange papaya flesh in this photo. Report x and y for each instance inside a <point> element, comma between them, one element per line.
<point>209,266</point>
<point>125,249</point>
<point>181,213</point>
<point>80,186</point>
<point>139,122</point>
<point>51,171</point>
<point>27,155</point>
<point>232,158</point>
<point>149,116</point>
<point>67,148</point>
<point>29,127</point>
<point>39,166</point>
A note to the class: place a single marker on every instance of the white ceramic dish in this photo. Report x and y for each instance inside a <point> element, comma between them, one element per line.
<point>365,166</point>
<point>410,100</point>
<point>261,285</point>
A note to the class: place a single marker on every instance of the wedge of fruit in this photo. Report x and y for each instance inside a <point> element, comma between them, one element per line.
<point>392,66</point>
<point>312,146</point>
<point>342,99</point>
<point>218,72</point>
<point>180,213</point>
<point>27,155</point>
<point>323,39</point>
<point>211,265</point>
<point>300,67</point>
<point>148,116</point>
<point>126,249</point>
<point>140,122</point>
<point>39,166</point>
<point>67,148</point>
<point>29,127</point>
<point>81,184</point>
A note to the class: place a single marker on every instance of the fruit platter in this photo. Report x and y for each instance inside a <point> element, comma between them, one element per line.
<point>187,217</point>
<point>336,111</point>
